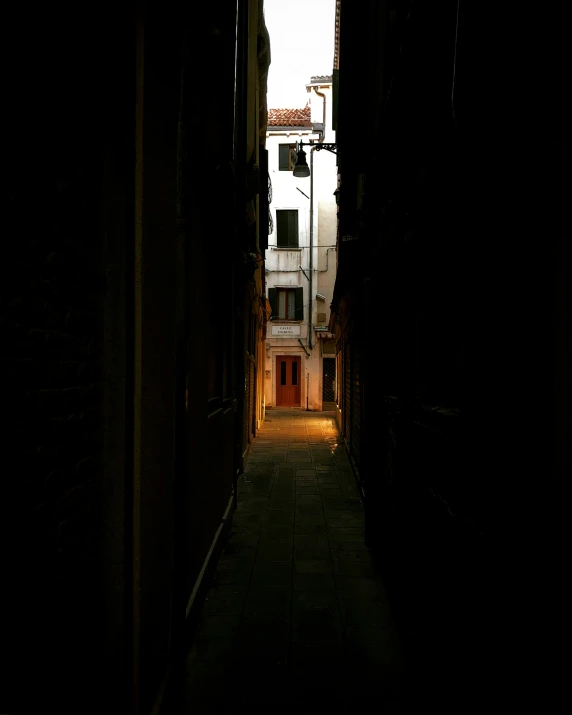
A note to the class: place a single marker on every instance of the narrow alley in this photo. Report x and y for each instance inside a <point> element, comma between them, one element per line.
<point>296,614</point>
<point>222,219</point>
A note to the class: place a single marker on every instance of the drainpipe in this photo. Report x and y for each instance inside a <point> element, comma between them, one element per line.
<point>323,96</point>
<point>325,270</point>
<point>320,140</point>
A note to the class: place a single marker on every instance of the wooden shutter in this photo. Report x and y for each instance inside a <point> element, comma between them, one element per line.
<point>283,157</point>
<point>281,229</point>
<point>293,157</point>
<point>299,304</point>
<point>293,229</point>
<point>287,228</point>
<point>273,302</point>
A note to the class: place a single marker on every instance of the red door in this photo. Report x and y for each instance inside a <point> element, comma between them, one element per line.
<point>288,373</point>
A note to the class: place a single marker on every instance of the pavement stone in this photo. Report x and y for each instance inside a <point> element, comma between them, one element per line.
<point>296,617</point>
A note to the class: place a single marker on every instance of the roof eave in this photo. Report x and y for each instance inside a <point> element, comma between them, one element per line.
<point>272,128</point>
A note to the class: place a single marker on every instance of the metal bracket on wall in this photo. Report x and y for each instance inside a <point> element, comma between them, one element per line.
<point>304,347</point>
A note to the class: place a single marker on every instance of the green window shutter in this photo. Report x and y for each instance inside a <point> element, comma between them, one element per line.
<point>293,229</point>
<point>286,228</point>
<point>299,304</point>
<point>284,157</point>
<point>281,229</point>
<point>272,301</point>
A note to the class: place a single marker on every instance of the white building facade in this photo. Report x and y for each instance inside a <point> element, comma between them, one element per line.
<point>300,269</point>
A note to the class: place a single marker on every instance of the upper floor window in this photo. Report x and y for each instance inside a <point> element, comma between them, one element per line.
<point>286,303</point>
<point>286,157</point>
<point>287,228</point>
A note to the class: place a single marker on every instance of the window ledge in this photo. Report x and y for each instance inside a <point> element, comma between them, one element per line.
<point>280,248</point>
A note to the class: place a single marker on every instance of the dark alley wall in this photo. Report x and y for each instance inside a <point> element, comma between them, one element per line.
<point>123,353</point>
<point>66,201</point>
<point>451,318</point>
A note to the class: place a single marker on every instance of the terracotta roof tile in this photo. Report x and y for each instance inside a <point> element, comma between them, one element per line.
<point>290,117</point>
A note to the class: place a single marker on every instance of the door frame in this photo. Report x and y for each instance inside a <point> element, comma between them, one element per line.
<point>301,377</point>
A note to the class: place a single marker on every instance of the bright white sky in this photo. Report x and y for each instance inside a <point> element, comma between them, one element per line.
<point>301,46</point>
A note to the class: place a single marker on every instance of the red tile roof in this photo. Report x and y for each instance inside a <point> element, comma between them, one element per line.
<point>290,117</point>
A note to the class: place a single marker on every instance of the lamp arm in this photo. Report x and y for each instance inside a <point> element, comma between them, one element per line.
<point>331,147</point>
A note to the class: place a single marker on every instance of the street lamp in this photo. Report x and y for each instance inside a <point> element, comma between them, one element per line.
<point>301,171</point>
<point>301,168</point>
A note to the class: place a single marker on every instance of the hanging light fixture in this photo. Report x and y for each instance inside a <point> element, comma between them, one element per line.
<point>301,168</point>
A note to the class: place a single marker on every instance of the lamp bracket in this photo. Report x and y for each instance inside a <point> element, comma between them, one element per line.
<point>333,148</point>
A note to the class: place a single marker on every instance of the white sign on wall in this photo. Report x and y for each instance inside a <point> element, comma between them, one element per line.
<point>286,331</point>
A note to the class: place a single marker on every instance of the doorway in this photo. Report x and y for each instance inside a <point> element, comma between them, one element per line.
<point>288,378</point>
<point>329,384</point>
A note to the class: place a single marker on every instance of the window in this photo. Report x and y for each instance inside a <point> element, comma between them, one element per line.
<point>287,228</point>
<point>286,157</point>
<point>286,303</point>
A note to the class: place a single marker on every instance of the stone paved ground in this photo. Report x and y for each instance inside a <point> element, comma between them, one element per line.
<point>296,619</point>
